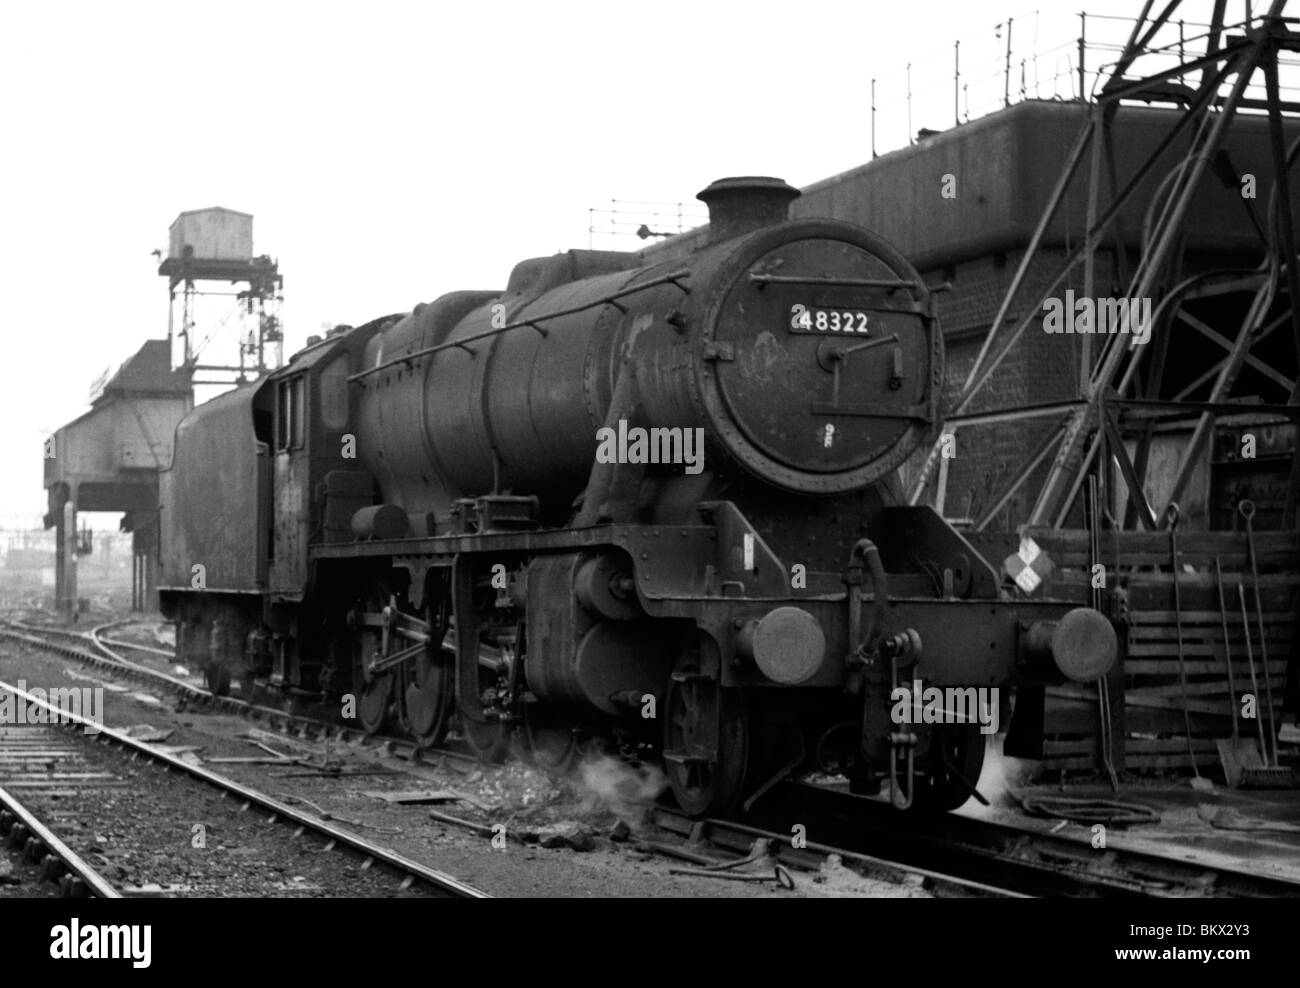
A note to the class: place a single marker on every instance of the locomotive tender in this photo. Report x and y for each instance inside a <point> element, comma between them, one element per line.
<point>411,519</point>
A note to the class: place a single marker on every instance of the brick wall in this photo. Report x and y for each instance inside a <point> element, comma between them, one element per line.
<point>1041,368</point>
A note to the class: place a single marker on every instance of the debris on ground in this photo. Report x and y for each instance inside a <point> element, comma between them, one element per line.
<point>187,753</point>
<point>148,733</point>
<point>1226,818</point>
<point>568,834</point>
<point>429,796</point>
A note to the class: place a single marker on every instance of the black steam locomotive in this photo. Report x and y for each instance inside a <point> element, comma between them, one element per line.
<point>655,501</point>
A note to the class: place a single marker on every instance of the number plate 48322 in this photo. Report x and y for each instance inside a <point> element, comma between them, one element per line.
<point>813,319</point>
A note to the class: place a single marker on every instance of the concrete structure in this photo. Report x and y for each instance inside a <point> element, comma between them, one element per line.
<point>109,459</point>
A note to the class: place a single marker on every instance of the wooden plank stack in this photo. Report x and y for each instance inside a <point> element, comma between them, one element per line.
<point>1154,736</point>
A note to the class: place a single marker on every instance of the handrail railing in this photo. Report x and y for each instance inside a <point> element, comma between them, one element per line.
<point>997,69</point>
<point>673,277</point>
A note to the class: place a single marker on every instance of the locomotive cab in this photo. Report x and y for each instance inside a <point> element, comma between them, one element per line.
<point>257,474</point>
<point>316,486</point>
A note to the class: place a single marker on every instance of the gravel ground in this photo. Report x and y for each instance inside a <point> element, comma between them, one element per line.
<point>19,880</point>
<point>156,830</point>
<point>584,816</point>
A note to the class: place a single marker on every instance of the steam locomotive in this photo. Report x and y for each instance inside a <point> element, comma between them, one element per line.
<point>653,500</point>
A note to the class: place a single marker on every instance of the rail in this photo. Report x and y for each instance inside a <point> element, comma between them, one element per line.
<point>77,867</point>
<point>432,877</point>
<point>110,661</point>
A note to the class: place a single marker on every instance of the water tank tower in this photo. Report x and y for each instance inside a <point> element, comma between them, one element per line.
<point>206,248</point>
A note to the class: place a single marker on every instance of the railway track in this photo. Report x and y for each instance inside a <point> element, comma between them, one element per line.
<point>23,830</point>
<point>72,645</point>
<point>948,854</point>
<point>984,852</point>
<point>728,844</point>
<point>74,781</point>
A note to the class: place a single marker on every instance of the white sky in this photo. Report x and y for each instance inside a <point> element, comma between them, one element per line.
<point>394,151</point>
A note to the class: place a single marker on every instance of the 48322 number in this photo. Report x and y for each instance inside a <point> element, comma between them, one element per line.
<point>811,319</point>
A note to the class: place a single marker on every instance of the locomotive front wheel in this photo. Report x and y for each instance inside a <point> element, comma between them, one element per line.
<point>953,766</point>
<point>430,695</point>
<point>374,702</point>
<point>706,742</point>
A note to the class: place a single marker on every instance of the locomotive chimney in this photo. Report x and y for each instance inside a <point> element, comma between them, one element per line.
<point>744,204</point>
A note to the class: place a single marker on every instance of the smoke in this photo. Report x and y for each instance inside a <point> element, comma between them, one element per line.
<point>618,787</point>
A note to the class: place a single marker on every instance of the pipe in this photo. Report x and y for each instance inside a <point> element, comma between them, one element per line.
<point>865,551</point>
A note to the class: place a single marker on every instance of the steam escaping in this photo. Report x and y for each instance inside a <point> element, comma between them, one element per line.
<point>999,780</point>
<point>618,787</point>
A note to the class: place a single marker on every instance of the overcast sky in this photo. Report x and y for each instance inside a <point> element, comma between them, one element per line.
<point>394,151</point>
